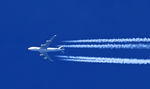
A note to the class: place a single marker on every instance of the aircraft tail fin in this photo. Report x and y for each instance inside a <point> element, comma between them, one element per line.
<point>62,49</point>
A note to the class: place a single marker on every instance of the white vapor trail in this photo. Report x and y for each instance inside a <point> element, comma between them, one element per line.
<point>110,40</point>
<point>105,60</point>
<point>129,46</point>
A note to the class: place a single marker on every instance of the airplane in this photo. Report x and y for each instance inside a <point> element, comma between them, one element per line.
<point>44,49</point>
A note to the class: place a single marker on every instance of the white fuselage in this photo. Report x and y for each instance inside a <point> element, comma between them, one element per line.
<point>45,50</point>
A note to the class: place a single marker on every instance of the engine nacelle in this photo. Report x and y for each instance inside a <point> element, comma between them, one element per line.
<point>47,40</point>
<point>45,58</point>
<point>42,44</point>
<point>41,55</point>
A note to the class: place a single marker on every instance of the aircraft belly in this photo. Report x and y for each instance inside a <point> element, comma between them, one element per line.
<point>43,50</point>
<point>51,50</point>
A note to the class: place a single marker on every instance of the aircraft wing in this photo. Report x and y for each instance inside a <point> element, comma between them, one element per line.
<point>46,56</point>
<point>46,45</point>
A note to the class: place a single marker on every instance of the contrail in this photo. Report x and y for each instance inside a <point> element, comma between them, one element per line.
<point>129,46</point>
<point>105,60</point>
<point>123,40</point>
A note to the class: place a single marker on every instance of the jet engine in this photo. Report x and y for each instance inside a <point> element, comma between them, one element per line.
<point>45,58</point>
<point>47,40</point>
<point>41,55</point>
<point>42,44</point>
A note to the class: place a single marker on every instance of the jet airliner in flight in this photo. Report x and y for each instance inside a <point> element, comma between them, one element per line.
<point>44,49</point>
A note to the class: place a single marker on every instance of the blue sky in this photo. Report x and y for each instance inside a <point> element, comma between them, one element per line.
<point>31,22</point>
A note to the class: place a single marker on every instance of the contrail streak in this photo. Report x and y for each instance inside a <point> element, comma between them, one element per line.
<point>105,60</point>
<point>110,40</point>
<point>129,46</point>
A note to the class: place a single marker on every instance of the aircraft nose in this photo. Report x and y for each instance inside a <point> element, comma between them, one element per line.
<point>29,48</point>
